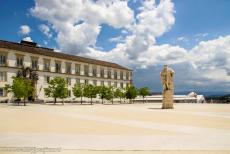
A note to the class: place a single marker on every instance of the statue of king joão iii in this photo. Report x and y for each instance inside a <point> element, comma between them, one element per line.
<point>167,75</point>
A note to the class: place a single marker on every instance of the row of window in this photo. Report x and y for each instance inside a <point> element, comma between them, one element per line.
<point>86,81</point>
<point>46,67</point>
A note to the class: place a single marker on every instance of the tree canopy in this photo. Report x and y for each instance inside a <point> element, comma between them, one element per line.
<point>57,88</point>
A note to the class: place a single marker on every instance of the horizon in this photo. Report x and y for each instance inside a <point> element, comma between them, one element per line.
<point>141,35</point>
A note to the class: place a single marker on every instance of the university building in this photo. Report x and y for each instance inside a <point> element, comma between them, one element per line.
<point>48,64</point>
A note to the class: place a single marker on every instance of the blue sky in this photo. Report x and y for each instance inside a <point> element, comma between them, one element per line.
<point>183,25</point>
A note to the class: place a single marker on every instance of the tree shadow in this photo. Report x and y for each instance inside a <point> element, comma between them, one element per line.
<point>155,108</point>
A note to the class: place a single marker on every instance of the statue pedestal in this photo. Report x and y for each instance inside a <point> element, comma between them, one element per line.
<point>167,102</point>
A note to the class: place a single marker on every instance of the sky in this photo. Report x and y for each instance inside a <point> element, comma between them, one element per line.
<point>190,36</point>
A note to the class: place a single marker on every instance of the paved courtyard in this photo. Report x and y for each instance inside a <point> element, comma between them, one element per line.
<point>123,128</point>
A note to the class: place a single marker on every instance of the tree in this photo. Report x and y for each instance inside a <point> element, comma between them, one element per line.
<point>57,88</point>
<point>119,94</point>
<point>102,93</point>
<point>90,91</point>
<point>109,94</point>
<point>78,91</point>
<point>21,88</point>
<point>131,93</point>
<point>144,92</point>
<point>29,74</point>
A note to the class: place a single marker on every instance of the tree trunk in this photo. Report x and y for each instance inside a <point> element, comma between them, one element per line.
<point>102,101</point>
<point>120,99</point>
<point>62,101</point>
<point>143,99</point>
<point>112,100</point>
<point>81,99</point>
<point>55,100</point>
<point>91,101</point>
<point>24,101</point>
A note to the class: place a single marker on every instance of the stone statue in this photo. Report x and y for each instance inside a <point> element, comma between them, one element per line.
<point>167,87</point>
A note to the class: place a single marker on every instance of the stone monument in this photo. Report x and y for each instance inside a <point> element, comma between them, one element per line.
<point>167,87</point>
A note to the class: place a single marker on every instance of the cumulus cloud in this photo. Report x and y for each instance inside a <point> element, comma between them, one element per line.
<point>24,29</point>
<point>27,39</point>
<point>78,24</point>
<point>45,30</point>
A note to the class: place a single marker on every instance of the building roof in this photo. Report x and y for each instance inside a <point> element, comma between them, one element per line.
<point>30,47</point>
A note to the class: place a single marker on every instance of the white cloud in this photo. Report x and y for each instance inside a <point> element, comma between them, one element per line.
<point>27,39</point>
<point>45,30</point>
<point>78,24</point>
<point>182,38</point>
<point>24,29</point>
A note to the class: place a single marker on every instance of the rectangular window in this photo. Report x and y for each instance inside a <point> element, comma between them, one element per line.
<point>1,92</point>
<point>115,84</point>
<point>3,76</point>
<point>95,82</point>
<point>57,67</point>
<point>109,83</point>
<point>127,75</point>
<point>86,70</point>
<point>77,81</point>
<point>77,69</point>
<point>46,79</point>
<point>94,71</point>
<point>109,74</point>
<point>2,59</point>
<point>115,74</point>
<point>121,75</point>
<point>86,81</point>
<point>122,86</point>
<point>68,68</point>
<point>46,65</point>
<point>102,73</point>
<point>102,83</point>
<point>69,93</point>
<point>68,81</point>
<point>34,63</point>
<point>19,61</point>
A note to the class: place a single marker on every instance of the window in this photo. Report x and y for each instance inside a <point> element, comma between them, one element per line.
<point>34,63</point>
<point>57,67</point>
<point>2,59</point>
<point>122,85</point>
<point>77,69</point>
<point>94,71</point>
<point>68,81</point>
<point>68,68</point>
<point>86,70</point>
<point>127,75</point>
<point>69,93</point>
<point>95,82</point>
<point>115,84</point>
<point>1,92</point>
<point>109,74</point>
<point>46,65</point>
<point>115,74</point>
<point>2,76</point>
<point>102,83</point>
<point>19,61</point>
<point>46,79</point>
<point>121,75</point>
<point>86,81</point>
<point>77,81</point>
<point>102,72</point>
<point>109,83</point>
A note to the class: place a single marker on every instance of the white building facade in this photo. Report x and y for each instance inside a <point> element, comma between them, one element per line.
<point>48,64</point>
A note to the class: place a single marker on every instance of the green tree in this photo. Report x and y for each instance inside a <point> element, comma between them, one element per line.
<point>57,88</point>
<point>131,93</point>
<point>78,91</point>
<point>21,88</point>
<point>144,92</point>
<point>102,93</point>
<point>119,93</point>
<point>90,91</point>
